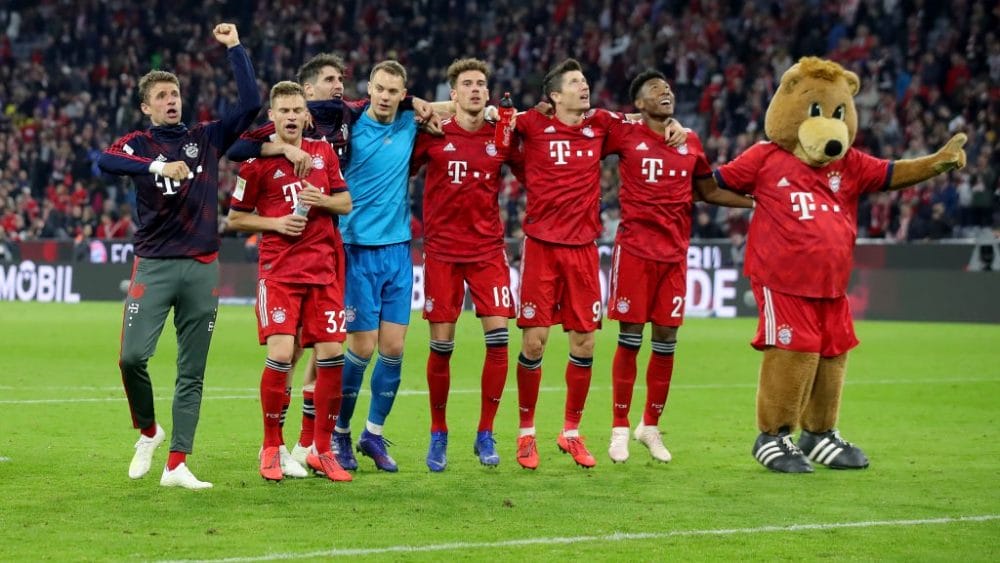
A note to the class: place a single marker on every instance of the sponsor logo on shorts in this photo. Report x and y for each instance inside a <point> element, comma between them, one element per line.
<point>528,310</point>
<point>785,334</point>
<point>623,305</point>
<point>278,315</point>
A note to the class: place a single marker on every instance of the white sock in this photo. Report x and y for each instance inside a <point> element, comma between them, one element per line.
<point>571,433</point>
<point>529,431</point>
<point>373,428</point>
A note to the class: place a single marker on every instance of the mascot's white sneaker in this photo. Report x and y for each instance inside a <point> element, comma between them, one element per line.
<point>618,450</point>
<point>778,453</point>
<point>651,438</point>
<point>181,476</point>
<point>831,450</point>
<point>144,450</point>
<point>290,466</point>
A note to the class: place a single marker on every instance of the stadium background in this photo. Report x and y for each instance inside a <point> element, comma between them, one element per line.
<point>68,72</point>
<point>921,397</point>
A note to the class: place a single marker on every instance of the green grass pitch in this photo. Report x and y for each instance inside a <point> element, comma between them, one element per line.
<point>921,399</point>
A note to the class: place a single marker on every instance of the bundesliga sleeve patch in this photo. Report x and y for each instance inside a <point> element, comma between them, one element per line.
<point>241,185</point>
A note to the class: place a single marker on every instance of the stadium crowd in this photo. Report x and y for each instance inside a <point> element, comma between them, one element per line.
<point>68,74</point>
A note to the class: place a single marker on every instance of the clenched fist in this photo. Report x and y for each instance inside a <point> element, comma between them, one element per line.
<point>226,34</point>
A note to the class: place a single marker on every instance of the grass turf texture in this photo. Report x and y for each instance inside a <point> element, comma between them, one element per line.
<point>921,400</point>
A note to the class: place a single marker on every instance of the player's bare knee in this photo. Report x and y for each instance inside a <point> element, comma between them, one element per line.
<point>665,333</point>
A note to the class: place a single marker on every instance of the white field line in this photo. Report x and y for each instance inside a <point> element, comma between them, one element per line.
<point>253,393</point>
<point>608,538</point>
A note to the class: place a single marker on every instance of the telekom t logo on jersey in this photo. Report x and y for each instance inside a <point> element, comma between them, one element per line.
<point>802,203</point>
<point>291,192</point>
<point>652,168</point>
<point>456,169</point>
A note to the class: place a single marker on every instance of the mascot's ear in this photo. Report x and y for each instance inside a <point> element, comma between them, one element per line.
<point>853,82</point>
<point>791,77</point>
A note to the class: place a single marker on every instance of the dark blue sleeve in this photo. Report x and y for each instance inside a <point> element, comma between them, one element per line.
<point>227,130</point>
<point>243,149</point>
<point>121,159</point>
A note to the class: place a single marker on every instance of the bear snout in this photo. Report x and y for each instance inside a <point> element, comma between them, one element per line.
<point>833,148</point>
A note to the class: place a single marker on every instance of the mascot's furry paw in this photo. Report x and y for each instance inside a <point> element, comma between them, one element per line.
<point>831,450</point>
<point>778,453</point>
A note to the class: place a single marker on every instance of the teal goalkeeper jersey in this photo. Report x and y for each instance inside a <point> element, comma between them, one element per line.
<point>378,179</point>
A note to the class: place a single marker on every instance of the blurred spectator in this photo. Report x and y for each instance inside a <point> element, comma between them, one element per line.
<point>927,69</point>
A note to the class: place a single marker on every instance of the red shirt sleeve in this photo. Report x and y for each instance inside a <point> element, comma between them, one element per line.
<point>740,174</point>
<point>420,152</point>
<point>874,174</point>
<point>245,193</point>
<point>702,169</point>
<point>614,141</point>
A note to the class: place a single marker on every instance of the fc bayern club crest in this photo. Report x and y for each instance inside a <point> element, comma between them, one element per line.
<point>528,310</point>
<point>318,163</point>
<point>350,314</point>
<point>623,305</point>
<point>278,315</point>
<point>785,334</point>
<point>587,131</point>
<point>491,149</point>
<point>683,149</point>
<point>191,150</point>
<point>429,305</point>
<point>834,178</point>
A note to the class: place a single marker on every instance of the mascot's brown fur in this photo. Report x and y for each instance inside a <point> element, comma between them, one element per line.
<point>812,116</point>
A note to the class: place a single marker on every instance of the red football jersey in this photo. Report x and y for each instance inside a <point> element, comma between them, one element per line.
<point>562,169</point>
<point>461,190</point>
<point>269,186</point>
<point>657,183</point>
<point>801,237</point>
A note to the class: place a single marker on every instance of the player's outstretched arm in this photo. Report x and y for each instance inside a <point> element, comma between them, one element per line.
<point>238,119</point>
<point>710,192</point>
<point>911,171</point>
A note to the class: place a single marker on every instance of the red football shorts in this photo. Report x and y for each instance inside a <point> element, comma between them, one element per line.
<point>803,324</point>
<point>489,284</point>
<point>560,285</point>
<point>646,290</point>
<point>284,308</point>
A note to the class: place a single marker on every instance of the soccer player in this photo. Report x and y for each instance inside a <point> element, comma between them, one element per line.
<point>464,244</point>
<point>300,278</point>
<point>559,264</point>
<point>649,267</point>
<point>379,268</point>
<point>176,173</point>
<point>331,119</point>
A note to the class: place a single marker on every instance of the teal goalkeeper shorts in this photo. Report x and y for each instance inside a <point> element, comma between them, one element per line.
<point>379,285</point>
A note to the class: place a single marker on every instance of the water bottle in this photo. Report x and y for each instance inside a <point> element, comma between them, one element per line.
<point>301,209</point>
<point>506,112</point>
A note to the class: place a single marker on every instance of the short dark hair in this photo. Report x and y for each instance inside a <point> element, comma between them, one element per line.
<point>553,80</point>
<point>311,69</point>
<point>465,65</point>
<point>639,81</point>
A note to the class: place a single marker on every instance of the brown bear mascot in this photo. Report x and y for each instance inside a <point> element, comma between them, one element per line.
<point>806,182</point>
